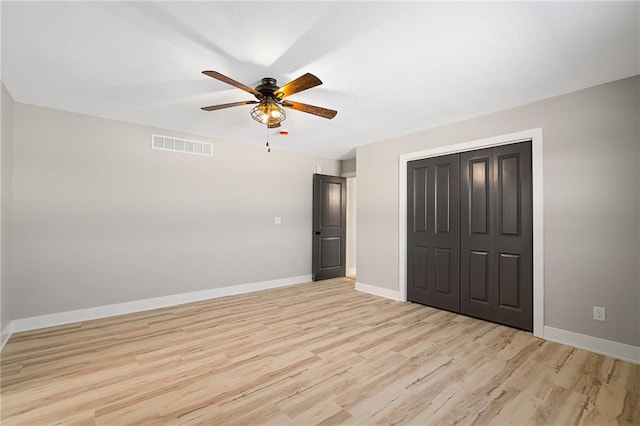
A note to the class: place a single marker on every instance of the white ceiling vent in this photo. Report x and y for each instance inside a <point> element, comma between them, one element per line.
<point>167,143</point>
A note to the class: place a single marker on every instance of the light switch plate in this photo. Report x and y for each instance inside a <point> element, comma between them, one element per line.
<point>277,220</point>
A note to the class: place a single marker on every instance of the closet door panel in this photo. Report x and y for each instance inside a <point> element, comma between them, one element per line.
<point>477,275</point>
<point>433,215</point>
<point>419,225</point>
<point>514,235</point>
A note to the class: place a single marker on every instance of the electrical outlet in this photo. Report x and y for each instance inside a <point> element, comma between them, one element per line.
<point>598,313</point>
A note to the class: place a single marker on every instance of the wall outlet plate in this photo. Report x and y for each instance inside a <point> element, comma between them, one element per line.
<point>598,313</point>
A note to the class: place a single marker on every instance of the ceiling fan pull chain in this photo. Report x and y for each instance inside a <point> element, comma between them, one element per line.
<point>268,147</point>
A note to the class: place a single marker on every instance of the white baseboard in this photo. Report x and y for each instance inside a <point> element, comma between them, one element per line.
<point>378,291</point>
<point>351,271</point>
<point>70,317</point>
<point>6,335</point>
<point>610,348</point>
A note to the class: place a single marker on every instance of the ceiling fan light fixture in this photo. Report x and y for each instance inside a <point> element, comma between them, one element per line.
<point>270,98</point>
<point>268,112</point>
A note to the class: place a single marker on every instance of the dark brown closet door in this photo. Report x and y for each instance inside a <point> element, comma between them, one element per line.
<point>433,227</point>
<point>514,236</point>
<point>477,271</point>
<point>496,241</point>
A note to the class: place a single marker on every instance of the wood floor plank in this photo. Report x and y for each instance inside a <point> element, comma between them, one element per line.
<point>319,353</point>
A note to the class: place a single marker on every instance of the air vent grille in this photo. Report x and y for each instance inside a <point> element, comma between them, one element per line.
<point>167,143</point>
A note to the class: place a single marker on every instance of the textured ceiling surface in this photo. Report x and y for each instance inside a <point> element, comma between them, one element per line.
<point>389,68</point>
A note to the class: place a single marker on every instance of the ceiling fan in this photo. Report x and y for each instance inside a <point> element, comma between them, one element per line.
<point>271,98</point>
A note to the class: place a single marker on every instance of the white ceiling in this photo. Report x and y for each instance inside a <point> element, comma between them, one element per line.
<point>389,68</point>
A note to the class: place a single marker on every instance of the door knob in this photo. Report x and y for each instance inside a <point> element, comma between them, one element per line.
<point>317,233</point>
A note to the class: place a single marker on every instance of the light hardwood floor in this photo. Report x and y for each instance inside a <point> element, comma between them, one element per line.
<point>320,353</point>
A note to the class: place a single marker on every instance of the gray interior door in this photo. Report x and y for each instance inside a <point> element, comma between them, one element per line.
<point>329,226</point>
<point>433,226</point>
<point>494,242</point>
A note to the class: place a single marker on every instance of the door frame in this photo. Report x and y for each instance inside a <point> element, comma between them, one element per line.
<point>351,225</point>
<point>535,136</point>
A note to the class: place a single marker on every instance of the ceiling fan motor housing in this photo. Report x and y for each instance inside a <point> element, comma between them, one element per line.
<point>268,87</point>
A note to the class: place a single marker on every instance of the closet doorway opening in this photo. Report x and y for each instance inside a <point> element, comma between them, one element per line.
<point>533,135</point>
<point>470,234</point>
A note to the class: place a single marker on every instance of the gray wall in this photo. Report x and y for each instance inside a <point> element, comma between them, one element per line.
<point>101,218</point>
<point>591,203</point>
<point>6,131</point>
<point>349,166</point>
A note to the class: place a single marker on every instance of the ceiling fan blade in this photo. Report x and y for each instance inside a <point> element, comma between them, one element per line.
<point>224,78</point>
<point>311,109</point>
<point>232,104</point>
<point>304,82</point>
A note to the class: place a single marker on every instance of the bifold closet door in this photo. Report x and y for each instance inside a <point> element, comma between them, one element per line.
<point>433,228</point>
<point>470,233</point>
<point>477,271</point>
<point>496,238</point>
